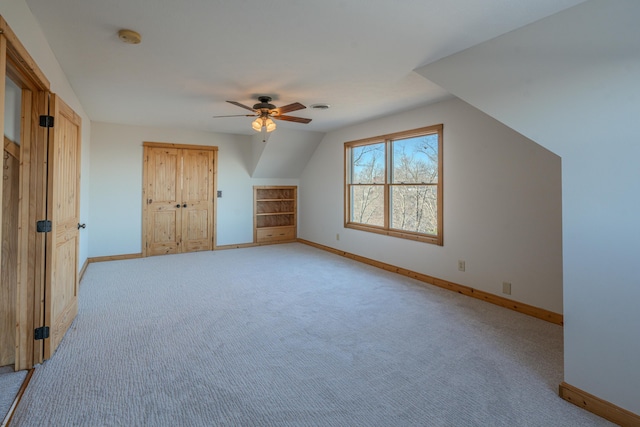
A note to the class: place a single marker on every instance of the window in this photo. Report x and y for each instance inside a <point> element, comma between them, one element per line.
<point>393,184</point>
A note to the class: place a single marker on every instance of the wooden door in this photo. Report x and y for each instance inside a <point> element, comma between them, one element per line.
<point>197,200</point>
<point>179,203</point>
<point>9,266</point>
<point>63,209</point>
<point>163,201</point>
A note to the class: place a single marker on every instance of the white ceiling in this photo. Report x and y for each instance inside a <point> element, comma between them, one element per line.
<point>356,55</point>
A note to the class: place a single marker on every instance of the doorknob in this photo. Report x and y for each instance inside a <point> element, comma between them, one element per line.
<point>178,205</point>
<point>184,206</point>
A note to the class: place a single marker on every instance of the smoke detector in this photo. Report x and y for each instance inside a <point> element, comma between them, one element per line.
<point>129,36</point>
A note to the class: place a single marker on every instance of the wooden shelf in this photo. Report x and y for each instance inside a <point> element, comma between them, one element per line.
<point>275,212</point>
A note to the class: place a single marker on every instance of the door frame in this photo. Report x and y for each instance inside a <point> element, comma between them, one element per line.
<point>17,64</point>
<point>145,160</point>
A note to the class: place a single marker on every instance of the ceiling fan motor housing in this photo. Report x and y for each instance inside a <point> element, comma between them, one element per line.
<point>264,103</point>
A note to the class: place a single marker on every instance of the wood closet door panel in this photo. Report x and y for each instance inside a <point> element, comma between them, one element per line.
<point>9,266</point>
<point>164,175</point>
<point>197,198</point>
<point>63,207</point>
<point>163,201</point>
<point>164,232</point>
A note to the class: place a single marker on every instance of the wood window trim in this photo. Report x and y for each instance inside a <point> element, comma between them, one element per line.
<point>386,230</point>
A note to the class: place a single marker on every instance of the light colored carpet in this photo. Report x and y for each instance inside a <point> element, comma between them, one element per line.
<point>288,335</point>
<point>10,383</point>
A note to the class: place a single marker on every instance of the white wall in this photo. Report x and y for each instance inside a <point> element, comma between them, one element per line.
<point>28,31</point>
<point>116,185</point>
<point>285,154</point>
<point>570,82</point>
<point>502,206</point>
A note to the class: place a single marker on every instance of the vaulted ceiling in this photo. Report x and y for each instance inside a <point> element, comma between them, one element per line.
<point>359,56</point>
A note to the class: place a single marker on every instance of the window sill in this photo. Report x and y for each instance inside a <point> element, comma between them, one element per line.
<point>435,240</point>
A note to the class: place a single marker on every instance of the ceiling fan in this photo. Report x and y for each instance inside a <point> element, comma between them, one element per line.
<point>266,112</point>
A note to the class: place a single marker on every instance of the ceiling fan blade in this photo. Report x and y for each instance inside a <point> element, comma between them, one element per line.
<point>241,105</point>
<point>236,115</point>
<point>288,108</point>
<point>292,119</point>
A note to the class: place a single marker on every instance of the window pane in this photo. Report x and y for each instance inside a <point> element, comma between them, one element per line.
<point>12,110</point>
<point>415,208</point>
<point>415,160</point>
<point>367,164</point>
<point>367,204</point>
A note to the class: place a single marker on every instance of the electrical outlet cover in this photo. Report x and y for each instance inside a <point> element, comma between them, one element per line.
<point>506,288</point>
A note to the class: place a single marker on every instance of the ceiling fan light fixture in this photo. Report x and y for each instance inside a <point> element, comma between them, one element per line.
<point>257,124</point>
<point>265,112</point>
<point>270,125</point>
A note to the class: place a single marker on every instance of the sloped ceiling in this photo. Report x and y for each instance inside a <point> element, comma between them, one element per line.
<point>543,79</point>
<point>285,154</point>
<point>357,55</point>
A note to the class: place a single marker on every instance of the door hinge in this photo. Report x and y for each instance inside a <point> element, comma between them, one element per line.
<point>41,333</point>
<point>43,226</point>
<point>46,121</point>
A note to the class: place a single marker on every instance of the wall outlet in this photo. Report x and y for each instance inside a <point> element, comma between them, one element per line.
<point>506,288</point>
<point>461,265</point>
<point>337,236</point>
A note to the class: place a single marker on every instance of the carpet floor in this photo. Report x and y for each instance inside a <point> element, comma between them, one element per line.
<point>10,383</point>
<point>288,335</point>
